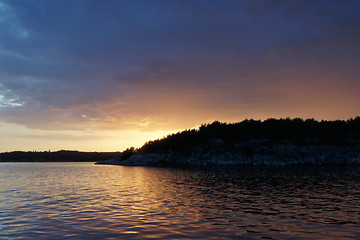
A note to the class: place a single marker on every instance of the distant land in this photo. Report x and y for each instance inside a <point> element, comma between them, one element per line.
<point>58,156</point>
<point>253,142</point>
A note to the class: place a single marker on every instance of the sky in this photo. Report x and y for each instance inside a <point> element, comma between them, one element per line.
<point>95,75</point>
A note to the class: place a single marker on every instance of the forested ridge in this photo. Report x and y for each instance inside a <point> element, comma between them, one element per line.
<point>273,131</point>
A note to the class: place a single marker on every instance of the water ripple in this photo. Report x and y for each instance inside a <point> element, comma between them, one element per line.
<point>82,201</point>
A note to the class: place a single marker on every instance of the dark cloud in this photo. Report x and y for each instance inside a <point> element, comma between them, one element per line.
<point>155,64</point>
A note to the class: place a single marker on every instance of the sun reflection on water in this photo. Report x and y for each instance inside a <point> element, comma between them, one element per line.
<point>82,200</point>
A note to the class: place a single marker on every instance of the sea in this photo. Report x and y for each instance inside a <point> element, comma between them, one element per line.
<point>72,200</point>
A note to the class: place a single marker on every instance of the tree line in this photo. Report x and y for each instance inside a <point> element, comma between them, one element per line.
<point>296,130</point>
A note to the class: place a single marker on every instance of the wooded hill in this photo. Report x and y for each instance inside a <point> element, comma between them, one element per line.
<point>273,131</point>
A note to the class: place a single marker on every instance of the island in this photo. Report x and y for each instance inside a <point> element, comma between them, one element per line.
<point>55,156</point>
<point>252,142</point>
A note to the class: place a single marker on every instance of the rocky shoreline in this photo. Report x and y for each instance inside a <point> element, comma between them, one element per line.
<point>250,153</point>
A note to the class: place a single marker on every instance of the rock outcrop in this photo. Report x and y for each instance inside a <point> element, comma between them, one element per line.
<point>256,152</point>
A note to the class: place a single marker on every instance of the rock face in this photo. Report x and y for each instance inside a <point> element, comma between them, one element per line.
<point>249,153</point>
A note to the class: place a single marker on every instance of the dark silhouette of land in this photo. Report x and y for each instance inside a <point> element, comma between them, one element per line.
<point>299,131</point>
<point>58,156</point>
<point>248,141</point>
<point>253,142</point>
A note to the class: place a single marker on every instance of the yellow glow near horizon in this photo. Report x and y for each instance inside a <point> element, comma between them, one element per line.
<point>15,137</point>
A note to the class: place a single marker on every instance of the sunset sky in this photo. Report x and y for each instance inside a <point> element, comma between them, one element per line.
<point>95,75</point>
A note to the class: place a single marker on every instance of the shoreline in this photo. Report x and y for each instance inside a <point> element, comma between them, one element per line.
<point>259,155</point>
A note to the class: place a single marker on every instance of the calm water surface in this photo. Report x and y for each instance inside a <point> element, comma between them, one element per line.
<point>87,201</point>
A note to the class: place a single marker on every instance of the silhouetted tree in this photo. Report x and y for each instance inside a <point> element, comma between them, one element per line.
<point>127,153</point>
